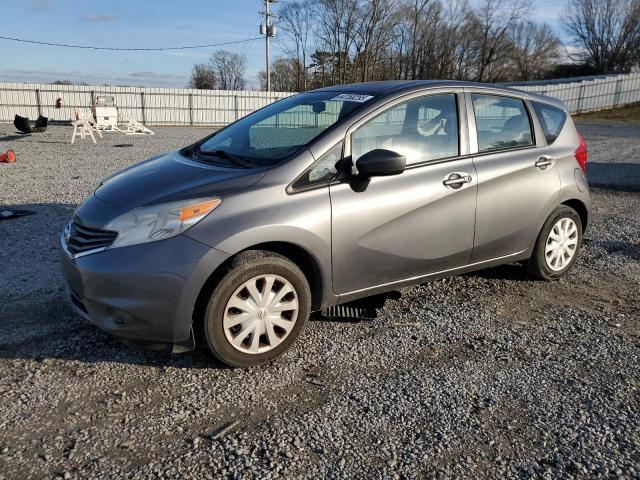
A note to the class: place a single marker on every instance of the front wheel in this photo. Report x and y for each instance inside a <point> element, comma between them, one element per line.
<point>557,245</point>
<point>257,310</point>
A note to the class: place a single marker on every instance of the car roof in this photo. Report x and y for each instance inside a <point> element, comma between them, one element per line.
<point>392,87</point>
<point>395,86</point>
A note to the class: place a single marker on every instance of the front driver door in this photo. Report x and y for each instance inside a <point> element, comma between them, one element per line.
<point>412,224</point>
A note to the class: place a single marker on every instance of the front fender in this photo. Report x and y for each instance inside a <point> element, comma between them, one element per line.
<point>266,213</point>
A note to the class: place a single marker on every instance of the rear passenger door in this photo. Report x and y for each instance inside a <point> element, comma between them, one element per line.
<point>517,182</point>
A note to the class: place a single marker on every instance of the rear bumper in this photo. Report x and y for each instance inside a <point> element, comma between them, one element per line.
<point>145,292</point>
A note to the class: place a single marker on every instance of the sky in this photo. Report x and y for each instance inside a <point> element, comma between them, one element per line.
<point>138,23</point>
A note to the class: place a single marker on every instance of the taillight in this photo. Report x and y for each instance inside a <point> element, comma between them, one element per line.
<point>581,154</point>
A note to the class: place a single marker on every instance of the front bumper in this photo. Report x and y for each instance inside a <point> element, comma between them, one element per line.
<point>144,292</point>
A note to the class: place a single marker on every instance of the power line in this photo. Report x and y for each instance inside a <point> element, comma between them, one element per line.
<point>91,47</point>
<point>253,29</point>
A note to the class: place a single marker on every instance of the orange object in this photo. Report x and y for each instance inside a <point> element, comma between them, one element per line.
<point>8,157</point>
<point>198,210</point>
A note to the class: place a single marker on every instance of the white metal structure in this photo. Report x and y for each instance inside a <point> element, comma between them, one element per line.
<point>82,127</point>
<point>105,113</point>
<point>181,106</point>
<point>133,127</point>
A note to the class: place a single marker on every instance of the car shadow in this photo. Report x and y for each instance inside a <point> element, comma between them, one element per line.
<point>36,321</point>
<point>621,177</point>
<point>618,247</point>
<point>11,138</point>
<point>52,330</point>
<point>512,271</point>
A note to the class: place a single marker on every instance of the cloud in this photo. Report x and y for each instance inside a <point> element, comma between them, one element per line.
<point>151,79</point>
<point>186,54</point>
<point>572,54</point>
<point>139,79</point>
<point>99,18</point>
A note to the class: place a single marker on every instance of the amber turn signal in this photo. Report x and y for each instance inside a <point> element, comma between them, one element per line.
<point>198,210</point>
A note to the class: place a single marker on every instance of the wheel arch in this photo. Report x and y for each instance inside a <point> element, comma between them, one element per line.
<point>578,205</point>
<point>297,254</point>
<point>581,209</point>
<point>303,259</point>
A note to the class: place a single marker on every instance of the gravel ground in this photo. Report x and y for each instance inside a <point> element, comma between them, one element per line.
<point>482,375</point>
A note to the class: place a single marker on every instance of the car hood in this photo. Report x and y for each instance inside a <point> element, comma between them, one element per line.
<point>172,177</point>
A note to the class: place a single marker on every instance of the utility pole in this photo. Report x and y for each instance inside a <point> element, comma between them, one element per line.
<point>268,30</point>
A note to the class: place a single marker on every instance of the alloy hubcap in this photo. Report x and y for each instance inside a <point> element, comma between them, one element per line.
<point>260,314</point>
<point>561,245</point>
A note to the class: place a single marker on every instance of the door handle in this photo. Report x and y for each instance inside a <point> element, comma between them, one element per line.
<point>544,161</point>
<point>456,180</point>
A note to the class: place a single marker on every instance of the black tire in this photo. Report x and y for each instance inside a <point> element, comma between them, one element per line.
<point>537,264</point>
<point>242,268</point>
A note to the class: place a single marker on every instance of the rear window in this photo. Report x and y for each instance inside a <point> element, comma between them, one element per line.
<point>551,120</point>
<point>501,122</point>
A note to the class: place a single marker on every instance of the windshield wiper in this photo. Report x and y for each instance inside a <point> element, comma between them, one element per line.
<point>235,159</point>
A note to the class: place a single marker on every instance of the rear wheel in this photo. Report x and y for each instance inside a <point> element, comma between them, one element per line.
<point>257,310</point>
<point>558,244</point>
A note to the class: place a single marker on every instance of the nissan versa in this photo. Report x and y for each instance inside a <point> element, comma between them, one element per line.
<point>324,198</point>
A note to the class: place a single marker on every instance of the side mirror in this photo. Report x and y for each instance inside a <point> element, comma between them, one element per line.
<point>379,163</point>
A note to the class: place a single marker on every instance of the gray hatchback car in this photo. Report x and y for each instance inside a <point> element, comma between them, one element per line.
<point>329,197</point>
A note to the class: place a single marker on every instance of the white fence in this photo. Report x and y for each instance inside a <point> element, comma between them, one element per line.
<point>587,94</point>
<point>152,106</point>
<point>180,106</point>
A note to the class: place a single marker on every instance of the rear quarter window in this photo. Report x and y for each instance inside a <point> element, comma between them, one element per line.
<point>551,120</point>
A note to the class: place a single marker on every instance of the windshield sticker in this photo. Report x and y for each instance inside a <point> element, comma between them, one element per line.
<point>352,97</point>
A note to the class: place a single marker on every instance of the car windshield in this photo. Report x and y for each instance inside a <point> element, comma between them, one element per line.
<point>270,135</point>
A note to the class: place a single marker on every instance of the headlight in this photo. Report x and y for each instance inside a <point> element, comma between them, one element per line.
<point>147,224</point>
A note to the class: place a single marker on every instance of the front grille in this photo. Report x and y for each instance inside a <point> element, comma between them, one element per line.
<point>81,238</point>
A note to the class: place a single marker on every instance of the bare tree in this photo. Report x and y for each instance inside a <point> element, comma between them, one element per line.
<point>434,39</point>
<point>284,75</point>
<point>296,21</point>
<point>608,32</point>
<point>457,55</point>
<point>374,34</point>
<point>203,76</point>
<point>493,21</point>
<point>422,15</point>
<point>361,40</point>
<point>229,69</point>
<point>337,25</point>
<point>534,51</point>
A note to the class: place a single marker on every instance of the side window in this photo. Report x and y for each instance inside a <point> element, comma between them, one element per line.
<point>551,120</point>
<point>422,129</point>
<point>501,122</point>
<point>323,170</point>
